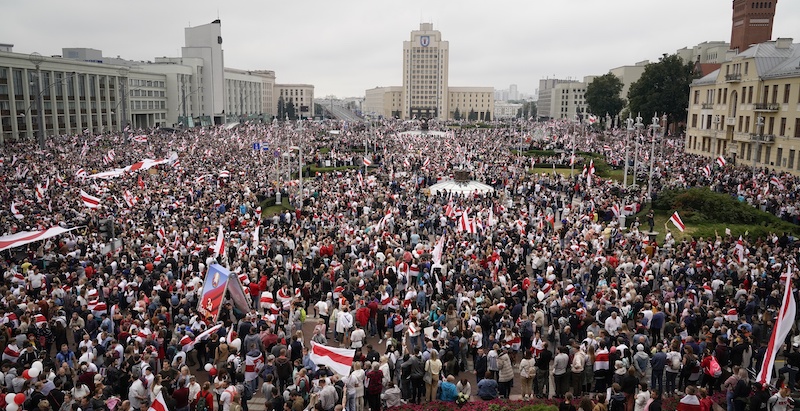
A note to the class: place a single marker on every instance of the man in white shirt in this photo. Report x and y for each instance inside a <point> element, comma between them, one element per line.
<point>226,398</point>
<point>343,325</point>
<point>357,338</point>
<point>613,324</point>
<point>322,311</point>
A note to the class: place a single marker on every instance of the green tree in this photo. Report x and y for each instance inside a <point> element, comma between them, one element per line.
<point>663,88</point>
<point>473,116</point>
<point>457,114</point>
<point>487,116</point>
<point>290,111</point>
<point>602,95</point>
<point>281,108</point>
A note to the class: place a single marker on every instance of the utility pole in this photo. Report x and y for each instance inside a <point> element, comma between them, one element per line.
<point>655,126</point>
<point>37,60</point>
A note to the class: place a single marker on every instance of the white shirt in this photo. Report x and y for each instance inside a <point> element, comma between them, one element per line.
<point>612,325</point>
<point>322,308</point>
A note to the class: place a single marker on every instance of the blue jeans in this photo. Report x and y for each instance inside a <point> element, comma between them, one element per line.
<point>351,402</point>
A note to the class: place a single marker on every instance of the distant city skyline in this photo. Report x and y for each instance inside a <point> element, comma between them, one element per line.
<point>346,47</point>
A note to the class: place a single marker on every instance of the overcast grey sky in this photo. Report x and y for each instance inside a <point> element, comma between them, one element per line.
<point>344,47</point>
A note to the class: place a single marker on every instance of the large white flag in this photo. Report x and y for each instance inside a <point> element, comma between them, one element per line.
<point>437,250</point>
<point>159,404</point>
<point>219,246</point>
<point>338,360</point>
<point>782,327</point>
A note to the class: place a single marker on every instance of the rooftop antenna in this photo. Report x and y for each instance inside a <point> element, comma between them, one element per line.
<point>217,13</point>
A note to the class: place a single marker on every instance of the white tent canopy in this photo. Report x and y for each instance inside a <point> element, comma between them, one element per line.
<point>470,187</point>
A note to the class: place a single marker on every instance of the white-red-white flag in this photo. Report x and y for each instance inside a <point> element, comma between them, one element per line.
<point>15,211</point>
<point>436,255</point>
<point>676,219</point>
<point>129,198</point>
<point>219,245</point>
<point>780,330</point>
<point>89,200</point>
<point>721,161</point>
<point>338,360</point>
<point>158,404</point>
<point>367,162</point>
<point>427,162</point>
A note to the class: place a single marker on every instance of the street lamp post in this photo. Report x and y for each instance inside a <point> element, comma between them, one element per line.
<point>639,127</point>
<point>716,132</point>
<point>123,82</point>
<point>758,139</point>
<point>37,60</point>
<point>654,127</point>
<point>629,124</point>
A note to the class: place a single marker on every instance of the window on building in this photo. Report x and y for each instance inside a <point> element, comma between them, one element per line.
<point>765,97</point>
<point>767,154</point>
<point>778,156</point>
<point>747,124</point>
<point>697,97</point>
<point>750,95</point>
<point>783,126</point>
<point>797,127</point>
<point>746,66</point>
<point>739,128</point>
<point>774,94</point>
<point>725,96</point>
<point>791,159</point>
<point>771,127</point>
<point>786,90</point>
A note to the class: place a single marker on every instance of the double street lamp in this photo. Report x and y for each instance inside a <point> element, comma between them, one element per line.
<point>654,127</point>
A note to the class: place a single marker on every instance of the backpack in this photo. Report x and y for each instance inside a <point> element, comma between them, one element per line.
<point>617,402</point>
<point>247,392</point>
<point>527,329</point>
<point>302,314</point>
<point>202,405</point>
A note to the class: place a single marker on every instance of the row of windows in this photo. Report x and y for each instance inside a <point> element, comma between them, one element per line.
<point>146,83</point>
<point>770,94</point>
<point>148,105</point>
<point>147,93</point>
<point>746,124</point>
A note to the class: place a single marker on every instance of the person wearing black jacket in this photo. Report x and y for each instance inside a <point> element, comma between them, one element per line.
<point>481,365</point>
<point>543,362</point>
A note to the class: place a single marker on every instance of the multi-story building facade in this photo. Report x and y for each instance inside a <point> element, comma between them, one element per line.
<point>504,110</point>
<point>384,102</point>
<point>749,109</point>
<point>426,92</point>
<point>476,100</point>
<point>562,99</point>
<point>75,96</point>
<point>425,73</point>
<point>83,90</point>
<point>301,96</point>
<point>752,23</point>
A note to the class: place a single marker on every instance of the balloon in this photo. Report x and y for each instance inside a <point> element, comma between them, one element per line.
<point>19,399</point>
<point>34,372</point>
<point>26,375</point>
<point>38,365</point>
<point>540,296</point>
<point>212,372</point>
<point>12,407</point>
<point>10,398</point>
<point>208,367</point>
<point>237,343</point>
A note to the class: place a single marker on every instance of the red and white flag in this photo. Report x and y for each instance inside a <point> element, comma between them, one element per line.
<point>706,170</point>
<point>676,219</point>
<point>615,209</point>
<point>140,139</point>
<point>406,163</point>
<point>740,249</point>
<point>129,198</point>
<point>338,360</point>
<point>776,182</point>
<point>15,211</point>
<point>781,328</point>
<point>89,200</point>
<point>219,245</point>
<point>162,234</point>
<point>159,404</point>
<point>427,162</point>
<point>721,161</point>
<point>253,366</point>
<point>367,162</point>
<point>436,255</point>
<point>81,173</point>
<point>224,174</point>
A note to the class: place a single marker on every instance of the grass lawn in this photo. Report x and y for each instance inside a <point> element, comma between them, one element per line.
<point>697,230</point>
<point>315,169</point>
<point>269,211</point>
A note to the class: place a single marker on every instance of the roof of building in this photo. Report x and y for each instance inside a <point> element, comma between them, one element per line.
<point>773,59</point>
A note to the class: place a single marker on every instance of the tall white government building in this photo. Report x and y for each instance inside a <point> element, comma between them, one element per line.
<point>426,91</point>
<point>83,90</point>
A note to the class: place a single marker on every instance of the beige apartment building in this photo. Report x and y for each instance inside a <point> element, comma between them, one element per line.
<point>749,110</point>
<point>426,91</point>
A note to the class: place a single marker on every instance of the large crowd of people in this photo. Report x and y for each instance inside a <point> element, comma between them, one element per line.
<point>536,288</point>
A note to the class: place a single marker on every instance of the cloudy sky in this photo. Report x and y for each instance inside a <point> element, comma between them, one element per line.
<point>344,47</point>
